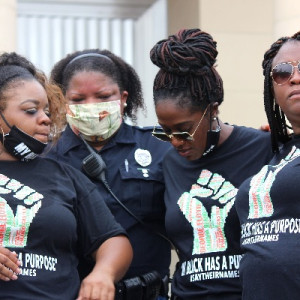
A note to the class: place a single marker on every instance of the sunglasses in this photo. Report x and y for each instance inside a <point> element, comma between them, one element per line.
<point>180,136</point>
<point>283,72</point>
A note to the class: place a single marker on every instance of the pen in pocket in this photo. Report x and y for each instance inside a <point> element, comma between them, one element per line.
<point>126,165</point>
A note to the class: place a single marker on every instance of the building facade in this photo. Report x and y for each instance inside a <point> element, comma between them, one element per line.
<point>44,31</point>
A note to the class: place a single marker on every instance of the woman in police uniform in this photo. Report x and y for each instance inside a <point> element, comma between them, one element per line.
<point>102,90</point>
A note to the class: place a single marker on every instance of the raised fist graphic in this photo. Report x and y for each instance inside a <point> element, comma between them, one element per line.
<point>14,225</point>
<point>208,216</point>
<point>260,202</point>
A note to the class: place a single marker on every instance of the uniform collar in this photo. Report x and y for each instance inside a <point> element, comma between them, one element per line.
<point>70,140</point>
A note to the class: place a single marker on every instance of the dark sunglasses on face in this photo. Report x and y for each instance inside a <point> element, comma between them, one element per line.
<point>180,136</point>
<point>283,72</point>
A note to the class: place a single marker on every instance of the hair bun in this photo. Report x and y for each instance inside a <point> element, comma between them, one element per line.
<point>190,51</point>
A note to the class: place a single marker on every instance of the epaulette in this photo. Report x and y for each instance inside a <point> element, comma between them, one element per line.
<point>145,128</point>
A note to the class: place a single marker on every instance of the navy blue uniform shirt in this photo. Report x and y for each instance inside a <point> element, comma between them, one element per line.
<point>134,173</point>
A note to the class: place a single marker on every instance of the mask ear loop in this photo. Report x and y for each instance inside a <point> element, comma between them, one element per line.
<point>211,121</point>
<point>213,136</point>
<point>210,117</point>
<point>4,121</point>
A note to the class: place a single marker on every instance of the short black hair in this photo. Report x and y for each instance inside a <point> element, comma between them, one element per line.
<point>114,67</point>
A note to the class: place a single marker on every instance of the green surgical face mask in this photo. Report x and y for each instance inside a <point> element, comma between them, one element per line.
<point>96,121</point>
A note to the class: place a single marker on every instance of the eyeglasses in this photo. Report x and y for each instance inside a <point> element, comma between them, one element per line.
<point>180,136</point>
<point>283,72</point>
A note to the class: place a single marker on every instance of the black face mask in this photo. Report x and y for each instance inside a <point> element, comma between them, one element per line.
<point>20,144</point>
<point>212,139</point>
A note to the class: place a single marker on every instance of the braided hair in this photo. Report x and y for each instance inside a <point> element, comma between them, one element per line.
<point>107,63</point>
<point>14,69</point>
<point>276,117</point>
<point>187,73</point>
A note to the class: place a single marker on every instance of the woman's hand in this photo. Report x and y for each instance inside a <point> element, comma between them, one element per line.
<point>9,265</point>
<point>112,258</point>
<point>97,286</point>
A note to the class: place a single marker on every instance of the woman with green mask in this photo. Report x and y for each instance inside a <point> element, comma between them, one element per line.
<point>101,91</point>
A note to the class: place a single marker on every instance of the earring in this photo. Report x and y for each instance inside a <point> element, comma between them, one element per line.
<point>214,118</point>
<point>3,138</point>
<point>125,104</point>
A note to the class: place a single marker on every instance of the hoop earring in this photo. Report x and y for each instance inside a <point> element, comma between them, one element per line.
<point>3,138</point>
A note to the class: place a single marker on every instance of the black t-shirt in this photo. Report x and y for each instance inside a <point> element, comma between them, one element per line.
<point>269,212</point>
<point>48,214</point>
<point>201,219</point>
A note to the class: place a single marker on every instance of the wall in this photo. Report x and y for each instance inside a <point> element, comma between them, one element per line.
<point>7,25</point>
<point>243,33</point>
<point>286,18</point>
<point>149,30</point>
<point>183,14</point>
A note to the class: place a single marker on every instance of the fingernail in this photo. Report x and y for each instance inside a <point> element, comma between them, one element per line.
<point>14,277</point>
<point>18,271</point>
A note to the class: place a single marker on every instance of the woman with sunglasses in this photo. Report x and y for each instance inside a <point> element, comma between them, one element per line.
<point>268,203</point>
<point>203,170</point>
